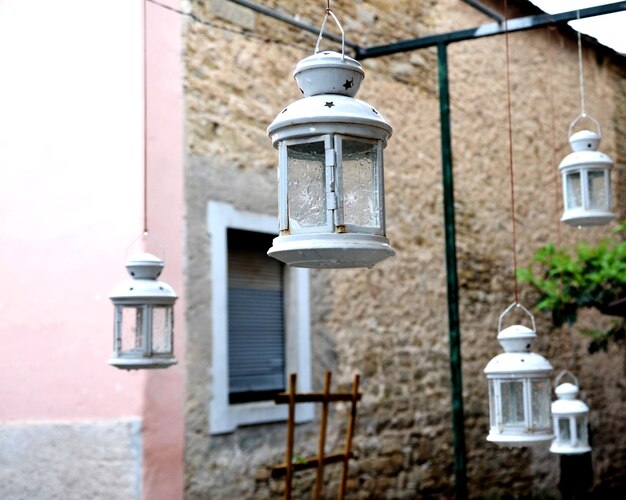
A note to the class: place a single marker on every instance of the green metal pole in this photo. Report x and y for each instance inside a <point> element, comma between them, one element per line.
<point>456,380</point>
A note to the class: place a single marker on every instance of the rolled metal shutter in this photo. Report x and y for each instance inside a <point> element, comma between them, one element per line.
<point>256,326</point>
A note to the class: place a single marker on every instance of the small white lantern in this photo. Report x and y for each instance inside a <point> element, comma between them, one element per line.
<point>571,418</point>
<point>519,388</point>
<point>586,176</point>
<point>144,317</point>
<point>330,172</point>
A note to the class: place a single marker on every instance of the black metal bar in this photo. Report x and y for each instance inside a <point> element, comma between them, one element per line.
<point>485,10</point>
<point>293,22</point>
<point>454,331</point>
<point>485,30</point>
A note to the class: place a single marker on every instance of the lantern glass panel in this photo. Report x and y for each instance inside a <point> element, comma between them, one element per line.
<point>574,191</point>
<point>162,329</point>
<point>360,183</point>
<point>564,430</point>
<point>512,403</point>
<point>581,430</point>
<point>131,328</point>
<point>540,401</point>
<point>306,173</point>
<point>597,190</point>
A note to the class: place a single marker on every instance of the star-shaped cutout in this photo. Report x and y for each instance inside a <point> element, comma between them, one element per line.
<point>329,104</point>
<point>348,84</point>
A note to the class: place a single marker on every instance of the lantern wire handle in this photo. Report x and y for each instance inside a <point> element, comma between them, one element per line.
<point>562,374</point>
<point>580,117</point>
<point>509,309</point>
<point>146,235</point>
<point>343,35</point>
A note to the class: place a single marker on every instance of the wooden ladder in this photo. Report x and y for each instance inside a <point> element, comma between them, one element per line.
<point>289,467</point>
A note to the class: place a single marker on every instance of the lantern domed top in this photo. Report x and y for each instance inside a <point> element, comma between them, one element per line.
<point>516,340</point>
<point>566,402</point>
<point>329,113</point>
<point>585,140</point>
<point>585,152</point>
<point>144,268</point>
<point>329,72</point>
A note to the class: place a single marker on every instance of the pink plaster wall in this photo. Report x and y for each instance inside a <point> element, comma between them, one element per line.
<point>71,203</point>
<point>165,389</point>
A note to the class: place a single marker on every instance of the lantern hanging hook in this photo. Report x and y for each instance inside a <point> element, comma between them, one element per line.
<point>562,373</point>
<point>147,235</point>
<point>343,35</point>
<point>580,117</point>
<point>508,310</point>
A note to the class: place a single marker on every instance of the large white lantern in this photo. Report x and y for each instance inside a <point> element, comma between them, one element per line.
<point>571,418</point>
<point>144,317</point>
<point>330,170</point>
<point>519,388</point>
<point>586,176</point>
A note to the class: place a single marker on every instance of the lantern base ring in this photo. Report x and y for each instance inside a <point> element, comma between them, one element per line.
<point>568,449</point>
<point>142,363</point>
<point>591,217</point>
<point>332,250</point>
<point>520,439</point>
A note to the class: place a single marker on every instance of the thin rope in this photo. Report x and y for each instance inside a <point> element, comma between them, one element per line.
<point>580,71</point>
<point>511,172</point>
<point>555,171</point>
<point>145,118</point>
<point>327,6</point>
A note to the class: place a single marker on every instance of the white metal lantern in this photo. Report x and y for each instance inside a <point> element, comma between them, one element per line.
<point>586,176</point>
<point>519,388</point>
<point>571,418</point>
<point>144,317</point>
<point>330,171</point>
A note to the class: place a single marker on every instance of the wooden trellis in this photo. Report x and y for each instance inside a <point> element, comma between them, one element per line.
<point>289,467</point>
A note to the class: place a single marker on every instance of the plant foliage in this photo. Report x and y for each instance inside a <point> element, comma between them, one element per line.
<point>594,277</point>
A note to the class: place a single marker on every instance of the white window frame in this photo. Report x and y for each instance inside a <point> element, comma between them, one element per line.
<point>223,416</point>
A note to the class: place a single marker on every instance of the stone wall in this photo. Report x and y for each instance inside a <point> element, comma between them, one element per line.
<point>390,323</point>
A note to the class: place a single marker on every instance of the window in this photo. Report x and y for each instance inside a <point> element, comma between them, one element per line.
<point>260,322</point>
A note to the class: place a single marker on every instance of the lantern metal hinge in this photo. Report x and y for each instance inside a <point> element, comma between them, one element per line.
<point>331,195</point>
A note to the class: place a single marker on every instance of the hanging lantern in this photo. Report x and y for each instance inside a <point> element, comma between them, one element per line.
<point>144,317</point>
<point>571,418</point>
<point>519,388</point>
<point>586,176</point>
<point>331,195</point>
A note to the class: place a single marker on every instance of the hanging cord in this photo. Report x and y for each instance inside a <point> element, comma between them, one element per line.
<point>145,118</point>
<point>555,171</point>
<point>580,71</point>
<point>511,172</point>
<point>328,7</point>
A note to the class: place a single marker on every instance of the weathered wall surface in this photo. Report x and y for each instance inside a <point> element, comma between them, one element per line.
<point>70,460</point>
<point>390,323</point>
